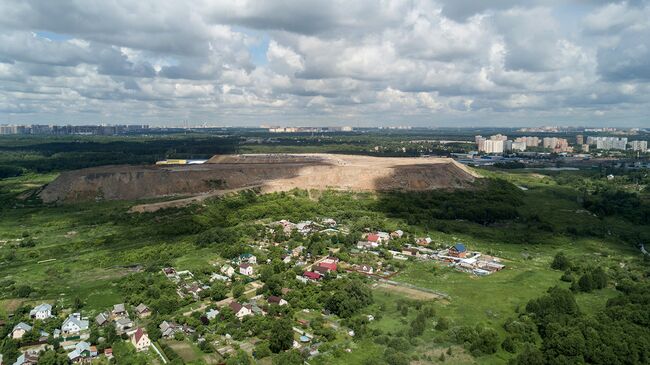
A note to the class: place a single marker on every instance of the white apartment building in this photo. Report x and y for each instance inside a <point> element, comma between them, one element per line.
<point>608,143</point>
<point>639,146</point>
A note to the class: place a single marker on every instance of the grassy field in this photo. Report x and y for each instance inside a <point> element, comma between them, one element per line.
<point>189,352</point>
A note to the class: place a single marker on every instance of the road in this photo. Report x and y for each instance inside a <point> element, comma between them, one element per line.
<point>178,203</point>
<point>162,357</point>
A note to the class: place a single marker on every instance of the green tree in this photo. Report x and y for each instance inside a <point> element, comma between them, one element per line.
<point>282,338</point>
<point>240,358</point>
<point>443,324</point>
<point>586,283</point>
<point>560,262</point>
<point>262,350</point>
<point>52,358</point>
<point>599,278</point>
<point>238,290</point>
<point>291,357</point>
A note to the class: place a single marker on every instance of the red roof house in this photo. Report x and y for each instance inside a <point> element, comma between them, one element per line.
<point>373,237</point>
<point>311,275</point>
<point>330,266</point>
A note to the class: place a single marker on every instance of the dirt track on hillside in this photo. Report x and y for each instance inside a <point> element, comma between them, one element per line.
<point>268,173</point>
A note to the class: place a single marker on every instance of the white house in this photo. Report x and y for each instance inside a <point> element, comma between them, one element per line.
<point>42,311</point>
<point>227,270</point>
<point>241,311</point>
<point>140,340</point>
<point>19,330</point>
<point>246,269</point>
<point>74,325</point>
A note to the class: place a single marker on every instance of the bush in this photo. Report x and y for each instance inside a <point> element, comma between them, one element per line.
<point>560,262</point>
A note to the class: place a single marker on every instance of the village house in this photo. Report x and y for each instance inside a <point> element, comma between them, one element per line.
<point>140,340</point>
<point>42,311</point>
<point>82,352</point>
<point>296,252</point>
<point>240,310</point>
<point>219,277</point>
<point>119,310</point>
<point>247,257</point>
<point>423,241</point>
<point>108,353</point>
<point>228,270</point>
<point>211,314</point>
<point>194,289</point>
<point>27,358</point>
<point>410,252</point>
<point>123,324</point>
<point>397,234</point>
<point>305,227</point>
<point>287,226</point>
<point>321,270</point>
<point>20,330</point>
<point>329,222</point>
<point>170,272</point>
<point>286,259</point>
<point>329,263</point>
<point>367,245</point>
<point>458,250</point>
<point>246,269</point>
<point>365,269</point>
<point>142,310</point>
<point>102,318</point>
<point>74,325</point>
<point>373,237</point>
<point>276,300</point>
<point>310,275</point>
<point>169,329</point>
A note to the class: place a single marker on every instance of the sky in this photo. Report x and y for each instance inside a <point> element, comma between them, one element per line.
<point>336,62</point>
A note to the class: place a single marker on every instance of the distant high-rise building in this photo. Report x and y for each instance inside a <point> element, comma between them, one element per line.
<point>557,144</point>
<point>494,146</point>
<point>507,145</point>
<point>639,146</point>
<point>496,143</point>
<point>608,143</point>
<point>529,141</point>
<point>518,146</point>
<point>580,139</point>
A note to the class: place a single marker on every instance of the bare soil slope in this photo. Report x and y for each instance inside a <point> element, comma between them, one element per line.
<point>266,172</point>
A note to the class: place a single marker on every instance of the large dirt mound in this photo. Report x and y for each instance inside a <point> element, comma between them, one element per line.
<point>269,173</point>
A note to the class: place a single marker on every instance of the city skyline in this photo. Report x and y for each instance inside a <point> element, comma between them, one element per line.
<point>418,63</point>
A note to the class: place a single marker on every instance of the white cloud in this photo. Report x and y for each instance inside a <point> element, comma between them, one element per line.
<point>330,61</point>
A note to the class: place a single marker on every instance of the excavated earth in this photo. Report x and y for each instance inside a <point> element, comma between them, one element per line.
<point>268,173</point>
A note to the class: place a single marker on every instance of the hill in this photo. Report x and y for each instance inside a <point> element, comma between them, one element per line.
<point>277,172</point>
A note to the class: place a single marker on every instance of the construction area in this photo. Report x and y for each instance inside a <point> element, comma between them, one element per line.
<point>264,172</point>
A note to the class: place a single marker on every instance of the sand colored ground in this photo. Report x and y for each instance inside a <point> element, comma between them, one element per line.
<point>267,173</point>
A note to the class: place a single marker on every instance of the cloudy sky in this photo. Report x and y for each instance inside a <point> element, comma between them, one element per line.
<point>333,62</point>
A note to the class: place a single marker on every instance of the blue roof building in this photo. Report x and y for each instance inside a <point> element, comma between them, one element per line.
<point>459,247</point>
